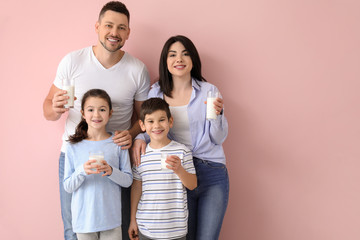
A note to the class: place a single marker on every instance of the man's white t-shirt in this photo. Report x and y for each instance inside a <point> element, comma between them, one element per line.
<point>126,81</point>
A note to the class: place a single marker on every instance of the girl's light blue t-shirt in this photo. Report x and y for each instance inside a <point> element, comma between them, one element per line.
<point>96,200</point>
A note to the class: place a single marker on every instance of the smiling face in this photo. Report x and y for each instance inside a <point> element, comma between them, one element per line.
<point>179,61</point>
<point>96,113</point>
<point>113,30</point>
<point>157,126</point>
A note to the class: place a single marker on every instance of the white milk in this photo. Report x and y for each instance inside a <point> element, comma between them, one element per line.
<point>210,109</point>
<point>98,159</point>
<point>71,93</point>
<point>163,163</point>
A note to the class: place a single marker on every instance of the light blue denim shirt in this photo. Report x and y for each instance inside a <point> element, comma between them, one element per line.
<point>206,136</point>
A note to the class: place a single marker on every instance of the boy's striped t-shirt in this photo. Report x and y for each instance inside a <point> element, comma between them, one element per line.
<point>162,210</point>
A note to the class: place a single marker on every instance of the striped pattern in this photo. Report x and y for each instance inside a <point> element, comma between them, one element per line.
<point>162,210</point>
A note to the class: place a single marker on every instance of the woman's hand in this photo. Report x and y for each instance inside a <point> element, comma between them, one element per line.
<point>138,149</point>
<point>218,105</point>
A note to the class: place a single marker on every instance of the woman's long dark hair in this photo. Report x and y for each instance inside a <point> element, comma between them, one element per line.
<point>82,127</point>
<point>165,77</point>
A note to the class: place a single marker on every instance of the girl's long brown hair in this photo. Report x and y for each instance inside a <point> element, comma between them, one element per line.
<point>82,127</point>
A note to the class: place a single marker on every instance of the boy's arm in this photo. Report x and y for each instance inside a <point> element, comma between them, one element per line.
<point>189,180</point>
<point>136,191</point>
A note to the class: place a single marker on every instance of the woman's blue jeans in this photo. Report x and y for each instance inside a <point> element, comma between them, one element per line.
<point>208,202</point>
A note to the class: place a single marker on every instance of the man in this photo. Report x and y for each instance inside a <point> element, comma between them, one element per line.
<point>104,66</point>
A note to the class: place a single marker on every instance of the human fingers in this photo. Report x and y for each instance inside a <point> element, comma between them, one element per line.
<point>89,168</point>
<point>173,161</point>
<point>218,105</point>
<point>59,100</point>
<point>137,150</point>
<point>123,138</point>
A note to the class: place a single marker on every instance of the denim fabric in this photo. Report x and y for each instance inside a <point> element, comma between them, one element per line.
<point>65,200</point>
<point>208,202</point>
<point>125,212</point>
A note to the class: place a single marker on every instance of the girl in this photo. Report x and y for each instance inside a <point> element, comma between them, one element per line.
<point>184,88</point>
<point>96,199</point>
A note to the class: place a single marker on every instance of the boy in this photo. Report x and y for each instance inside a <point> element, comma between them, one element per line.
<point>158,196</point>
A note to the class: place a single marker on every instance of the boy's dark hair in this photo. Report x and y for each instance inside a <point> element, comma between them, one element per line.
<point>115,6</point>
<point>82,127</point>
<point>152,105</point>
<point>165,77</point>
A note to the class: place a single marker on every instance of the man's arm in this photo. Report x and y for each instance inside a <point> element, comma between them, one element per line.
<point>135,129</point>
<point>54,102</point>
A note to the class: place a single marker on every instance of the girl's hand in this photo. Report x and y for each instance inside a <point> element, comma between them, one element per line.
<point>106,168</point>
<point>90,168</point>
<point>174,163</point>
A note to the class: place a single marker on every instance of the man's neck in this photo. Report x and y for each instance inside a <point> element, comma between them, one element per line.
<point>106,58</point>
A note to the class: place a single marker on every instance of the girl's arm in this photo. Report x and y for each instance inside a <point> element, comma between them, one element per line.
<point>122,175</point>
<point>73,178</point>
<point>136,191</point>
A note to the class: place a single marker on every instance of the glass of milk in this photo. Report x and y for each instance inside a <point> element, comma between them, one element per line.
<point>163,159</point>
<point>210,109</point>
<point>69,86</point>
<point>96,155</point>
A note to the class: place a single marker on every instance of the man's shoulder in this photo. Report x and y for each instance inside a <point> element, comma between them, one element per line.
<point>79,53</point>
<point>133,61</point>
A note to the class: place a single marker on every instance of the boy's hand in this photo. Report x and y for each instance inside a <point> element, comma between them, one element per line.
<point>133,231</point>
<point>174,163</point>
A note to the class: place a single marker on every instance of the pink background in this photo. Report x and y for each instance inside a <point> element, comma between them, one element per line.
<point>289,72</point>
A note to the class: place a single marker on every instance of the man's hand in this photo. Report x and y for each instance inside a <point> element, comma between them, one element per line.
<point>123,139</point>
<point>58,102</point>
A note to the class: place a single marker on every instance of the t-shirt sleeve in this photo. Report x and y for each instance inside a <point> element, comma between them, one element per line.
<point>188,163</point>
<point>63,71</point>
<point>136,174</point>
<point>144,85</point>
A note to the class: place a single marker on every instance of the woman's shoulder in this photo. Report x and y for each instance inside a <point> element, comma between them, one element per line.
<point>155,90</point>
<point>203,86</point>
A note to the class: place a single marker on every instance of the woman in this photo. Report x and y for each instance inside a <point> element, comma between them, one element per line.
<point>183,87</point>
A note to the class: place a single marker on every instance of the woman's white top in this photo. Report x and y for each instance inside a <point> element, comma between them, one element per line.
<point>181,128</point>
